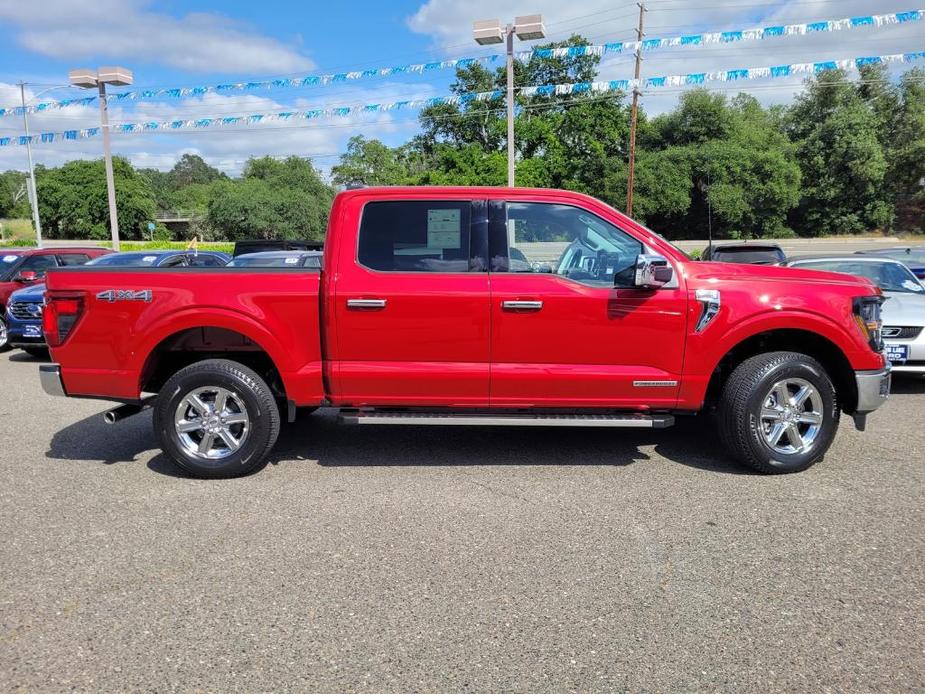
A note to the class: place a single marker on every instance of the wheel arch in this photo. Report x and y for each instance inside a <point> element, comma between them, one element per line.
<point>216,340</point>
<point>807,342</point>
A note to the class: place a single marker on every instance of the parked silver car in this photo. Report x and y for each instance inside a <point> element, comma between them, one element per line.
<point>903,312</point>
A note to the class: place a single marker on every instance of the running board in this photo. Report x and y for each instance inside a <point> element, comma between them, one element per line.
<point>638,421</point>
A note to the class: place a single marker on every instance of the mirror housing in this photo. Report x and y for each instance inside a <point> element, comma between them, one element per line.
<point>25,276</point>
<point>652,272</point>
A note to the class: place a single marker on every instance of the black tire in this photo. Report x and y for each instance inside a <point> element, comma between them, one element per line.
<point>745,395</point>
<point>251,394</point>
<point>4,335</point>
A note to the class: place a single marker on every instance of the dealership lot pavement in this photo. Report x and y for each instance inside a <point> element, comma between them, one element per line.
<point>436,559</point>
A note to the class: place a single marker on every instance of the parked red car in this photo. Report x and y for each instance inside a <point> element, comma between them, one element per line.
<point>484,306</point>
<point>20,267</point>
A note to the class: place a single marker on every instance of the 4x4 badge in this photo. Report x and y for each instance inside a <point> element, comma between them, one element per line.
<point>113,295</point>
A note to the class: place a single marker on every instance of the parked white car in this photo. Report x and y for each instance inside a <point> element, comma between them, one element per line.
<point>903,311</point>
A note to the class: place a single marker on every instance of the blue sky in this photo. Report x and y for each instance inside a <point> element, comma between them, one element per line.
<point>201,43</point>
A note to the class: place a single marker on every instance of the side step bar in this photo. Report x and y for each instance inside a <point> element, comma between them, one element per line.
<point>631,420</point>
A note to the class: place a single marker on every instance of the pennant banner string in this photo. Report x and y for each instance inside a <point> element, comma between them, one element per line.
<point>693,78</point>
<point>420,68</point>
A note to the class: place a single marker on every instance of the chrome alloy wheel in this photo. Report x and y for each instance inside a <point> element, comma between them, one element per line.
<point>212,422</point>
<point>4,335</point>
<point>792,416</point>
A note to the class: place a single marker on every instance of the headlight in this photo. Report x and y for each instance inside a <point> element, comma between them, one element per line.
<point>867,317</point>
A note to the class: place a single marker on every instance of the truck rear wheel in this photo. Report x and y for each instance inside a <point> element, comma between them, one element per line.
<point>778,412</point>
<point>216,418</point>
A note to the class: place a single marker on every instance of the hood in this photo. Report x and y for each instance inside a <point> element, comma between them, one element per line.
<point>901,308</point>
<point>701,271</point>
<point>34,292</point>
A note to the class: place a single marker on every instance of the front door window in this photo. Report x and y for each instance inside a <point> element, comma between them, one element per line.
<point>565,241</point>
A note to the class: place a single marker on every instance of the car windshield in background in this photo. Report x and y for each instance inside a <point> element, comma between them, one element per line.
<point>7,261</point>
<point>126,260</point>
<point>889,276</point>
<point>747,255</point>
<point>263,261</point>
<point>913,257</point>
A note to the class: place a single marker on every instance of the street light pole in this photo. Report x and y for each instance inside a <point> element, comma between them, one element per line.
<point>510,105</point>
<point>100,78</point>
<point>110,179</point>
<point>527,28</point>
<point>33,191</point>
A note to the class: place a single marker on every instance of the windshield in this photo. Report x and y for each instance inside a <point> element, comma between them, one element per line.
<point>7,263</point>
<point>889,276</point>
<point>126,260</point>
<point>747,255</point>
<point>912,257</point>
<point>266,261</point>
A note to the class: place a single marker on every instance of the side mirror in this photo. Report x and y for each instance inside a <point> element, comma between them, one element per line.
<point>652,272</point>
<point>25,276</point>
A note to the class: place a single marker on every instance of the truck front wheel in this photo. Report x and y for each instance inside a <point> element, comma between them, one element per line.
<point>216,418</point>
<point>778,412</point>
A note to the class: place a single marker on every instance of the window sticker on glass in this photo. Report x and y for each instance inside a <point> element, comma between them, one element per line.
<point>291,261</point>
<point>9,258</point>
<point>149,259</point>
<point>443,229</point>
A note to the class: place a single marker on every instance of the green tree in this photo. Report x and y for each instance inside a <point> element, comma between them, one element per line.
<point>14,202</point>
<point>273,199</point>
<point>372,163</point>
<point>192,169</point>
<point>73,200</point>
<point>841,159</point>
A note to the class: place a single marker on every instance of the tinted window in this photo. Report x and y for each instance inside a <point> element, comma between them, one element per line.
<point>175,261</point>
<point>38,264</point>
<point>890,277</point>
<point>73,259</point>
<point>126,260</point>
<point>416,236</point>
<point>206,261</point>
<point>564,240</point>
<point>748,255</point>
<point>267,261</point>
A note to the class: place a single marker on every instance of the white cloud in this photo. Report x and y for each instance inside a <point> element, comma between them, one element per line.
<point>126,30</point>
<point>227,148</point>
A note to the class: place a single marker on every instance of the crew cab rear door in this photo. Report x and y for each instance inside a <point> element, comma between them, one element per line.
<point>411,303</point>
<point>568,328</point>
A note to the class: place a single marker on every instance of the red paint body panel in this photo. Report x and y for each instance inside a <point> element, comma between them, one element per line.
<point>442,339</point>
<point>106,353</point>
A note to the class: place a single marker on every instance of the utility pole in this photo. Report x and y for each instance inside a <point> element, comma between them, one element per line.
<point>634,114</point>
<point>33,192</point>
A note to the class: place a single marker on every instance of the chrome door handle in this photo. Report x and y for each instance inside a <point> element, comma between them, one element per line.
<point>365,304</point>
<point>521,305</point>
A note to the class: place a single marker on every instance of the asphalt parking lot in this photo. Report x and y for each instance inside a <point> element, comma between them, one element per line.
<point>433,559</point>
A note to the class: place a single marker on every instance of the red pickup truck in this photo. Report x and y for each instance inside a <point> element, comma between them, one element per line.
<point>477,306</point>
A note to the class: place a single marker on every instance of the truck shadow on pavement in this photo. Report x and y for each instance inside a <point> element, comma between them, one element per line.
<point>319,439</point>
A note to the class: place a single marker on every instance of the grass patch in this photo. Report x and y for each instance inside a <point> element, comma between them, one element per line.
<point>17,232</point>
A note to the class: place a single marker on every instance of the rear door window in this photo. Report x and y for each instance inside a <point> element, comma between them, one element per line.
<point>418,236</point>
<point>68,259</point>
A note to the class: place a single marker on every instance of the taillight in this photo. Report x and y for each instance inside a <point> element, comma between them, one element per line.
<point>867,317</point>
<point>60,316</point>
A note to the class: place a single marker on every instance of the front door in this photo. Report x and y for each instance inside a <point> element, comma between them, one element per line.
<point>411,306</point>
<point>568,329</point>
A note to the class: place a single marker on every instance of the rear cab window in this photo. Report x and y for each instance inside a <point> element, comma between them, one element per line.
<point>420,236</point>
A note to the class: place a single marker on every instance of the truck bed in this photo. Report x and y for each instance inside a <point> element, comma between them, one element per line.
<point>269,310</point>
